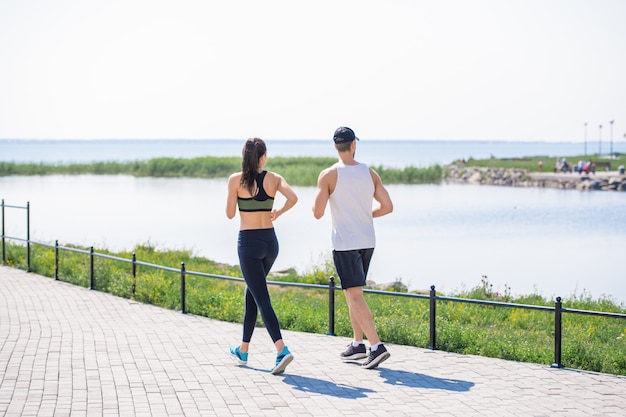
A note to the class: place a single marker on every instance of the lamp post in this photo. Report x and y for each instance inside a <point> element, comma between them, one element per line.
<point>611,137</point>
<point>585,138</point>
<point>600,139</point>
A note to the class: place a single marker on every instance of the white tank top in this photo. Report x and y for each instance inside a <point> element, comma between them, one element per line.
<point>351,208</point>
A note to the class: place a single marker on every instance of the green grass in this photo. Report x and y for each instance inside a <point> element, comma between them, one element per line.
<point>300,171</point>
<point>531,163</point>
<point>589,343</point>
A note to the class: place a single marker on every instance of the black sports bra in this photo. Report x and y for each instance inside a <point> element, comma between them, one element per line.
<point>261,201</point>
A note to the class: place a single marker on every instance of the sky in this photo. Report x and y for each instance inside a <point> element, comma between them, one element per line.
<point>510,70</point>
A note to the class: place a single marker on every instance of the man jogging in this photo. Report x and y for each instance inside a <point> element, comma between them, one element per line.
<point>349,187</point>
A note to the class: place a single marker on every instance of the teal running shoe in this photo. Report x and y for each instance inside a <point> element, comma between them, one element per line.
<point>283,359</point>
<point>241,357</point>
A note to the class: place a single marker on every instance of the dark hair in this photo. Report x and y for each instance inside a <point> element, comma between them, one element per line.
<point>343,147</point>
<point>251,154</point>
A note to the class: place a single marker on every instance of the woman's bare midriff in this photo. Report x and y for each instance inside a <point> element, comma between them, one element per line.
<point>255,220</point>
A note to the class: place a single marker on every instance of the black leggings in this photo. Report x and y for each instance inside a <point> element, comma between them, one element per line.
<point>257,251</point>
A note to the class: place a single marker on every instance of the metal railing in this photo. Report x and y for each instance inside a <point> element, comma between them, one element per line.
<point>557,310</point>
<point>27,240</point>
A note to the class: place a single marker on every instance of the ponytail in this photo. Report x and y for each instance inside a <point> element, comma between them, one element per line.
<point>251,154</point>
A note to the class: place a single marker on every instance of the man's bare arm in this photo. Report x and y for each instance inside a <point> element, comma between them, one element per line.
<point>381,195</point>
<point>324,186</point>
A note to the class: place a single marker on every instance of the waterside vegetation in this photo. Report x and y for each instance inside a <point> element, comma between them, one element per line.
<point>300,171</point>
<point>589,343</point>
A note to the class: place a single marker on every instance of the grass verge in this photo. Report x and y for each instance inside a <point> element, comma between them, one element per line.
<point>589,343</point>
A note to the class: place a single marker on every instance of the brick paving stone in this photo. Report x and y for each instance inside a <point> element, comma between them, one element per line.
<point>70,351</point>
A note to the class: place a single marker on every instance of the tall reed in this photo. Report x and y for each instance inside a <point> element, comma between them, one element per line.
<point>302,171</point>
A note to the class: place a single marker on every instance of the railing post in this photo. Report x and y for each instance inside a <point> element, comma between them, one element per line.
<point>28,236</point>
<point>182,287</point>
<point>3,247</point>
<point>134,272</point>
<point>433,316</point>
<point>331,307</point>
<point>56,260</point>
<point>91,277</point>
<point>557,333</point>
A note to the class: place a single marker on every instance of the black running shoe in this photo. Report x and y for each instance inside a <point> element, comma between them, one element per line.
<point>353,353</point>
<point>376,357</point>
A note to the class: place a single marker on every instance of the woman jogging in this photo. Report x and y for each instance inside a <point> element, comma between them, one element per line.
<point>253,190</point>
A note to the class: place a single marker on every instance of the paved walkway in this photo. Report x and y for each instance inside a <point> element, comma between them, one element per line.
<point>69,351</point>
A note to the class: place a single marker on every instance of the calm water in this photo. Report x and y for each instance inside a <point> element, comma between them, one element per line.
<point>557,242</point>
<point>390,153</point>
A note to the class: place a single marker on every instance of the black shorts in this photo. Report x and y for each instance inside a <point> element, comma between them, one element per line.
<point>352,266</point>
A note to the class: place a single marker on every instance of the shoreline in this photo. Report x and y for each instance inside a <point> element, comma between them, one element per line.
<point>515,177</point>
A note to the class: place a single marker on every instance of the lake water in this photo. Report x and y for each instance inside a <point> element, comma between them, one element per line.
<point>554,242</point>
<point>390,153</point>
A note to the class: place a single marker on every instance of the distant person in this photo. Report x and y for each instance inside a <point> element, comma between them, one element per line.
<point>589,167</point>
<point>253,191</point>
<point>350,188</point>
<point>562,165</point>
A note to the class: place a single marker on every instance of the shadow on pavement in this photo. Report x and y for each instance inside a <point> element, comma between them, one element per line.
<point>414,380</point>
<point>319,386</point>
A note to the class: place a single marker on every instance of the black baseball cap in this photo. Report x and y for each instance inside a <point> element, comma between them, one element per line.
<point>344,134</point>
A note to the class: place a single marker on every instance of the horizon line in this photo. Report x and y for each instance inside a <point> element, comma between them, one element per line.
<point>305,139</point>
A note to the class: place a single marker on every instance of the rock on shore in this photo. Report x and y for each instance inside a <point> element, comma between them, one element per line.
<point>605,181</point>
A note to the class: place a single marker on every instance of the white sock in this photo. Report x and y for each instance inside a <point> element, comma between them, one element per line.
<point>356,343</point>
<point>374,347</point>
